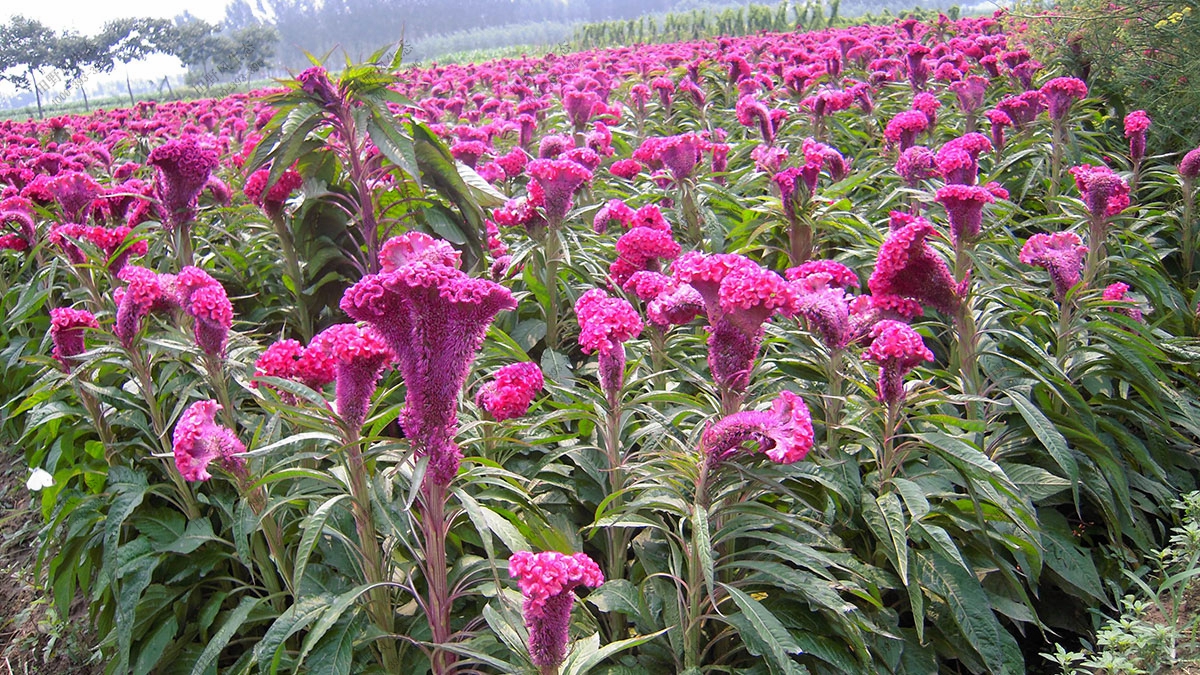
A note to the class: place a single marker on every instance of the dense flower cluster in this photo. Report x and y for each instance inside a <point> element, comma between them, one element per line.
<point>1061,254</point>
<point>546,580</point>
<point>66,332</point>
<point>271,201</point>
<point>511,390</point>
<point>784,433</point>
<point>199,441</point>
<point>184,166</point>
<point>908,268</point>
<point>1104,193</point>
<point>896,348</point>
<point>359,356</point>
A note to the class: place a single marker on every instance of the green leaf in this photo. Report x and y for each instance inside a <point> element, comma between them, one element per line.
<point>394,144</point>
<point>313,525</point>
<point>331,616</point>
<point>486,195</point>
<point>334,654</point>
<point>702,541</point>
<point>1051,438</point>
<point>886,520</point>
<point>765,635</point>
<point>616,596</point>
<point>198,531</point>
<point>294,619</point>
<point>970,610</point>
<point>233,621</point>
<point>586,654</point>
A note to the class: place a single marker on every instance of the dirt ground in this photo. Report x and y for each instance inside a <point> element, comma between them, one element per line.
<point>30,643</point>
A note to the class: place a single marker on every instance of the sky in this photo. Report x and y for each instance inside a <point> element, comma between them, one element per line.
<point>89,16</point>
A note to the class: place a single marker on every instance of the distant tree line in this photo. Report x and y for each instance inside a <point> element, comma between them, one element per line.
<point>35,57</point>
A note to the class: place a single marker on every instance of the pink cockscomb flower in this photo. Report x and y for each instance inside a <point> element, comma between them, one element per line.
<point>784,433</point>
<point>359,355</point>
<point>23,234</point>
<point>557,180</point>
<point>1117,294</point>
<point>1061,254</point>
<point>66,331</point>
<point>1060,93</point>
<point>615,211</point>
<point>752,112</point>
<point>547,580</point>
<point>908,267</point>
<point>896,348</point>
<point>1189,166</point>
<point>74,191</point>
<point>199,441</point>
<point>998,120</point>
<point>271,201</point>
<point>204,298</point>
<point>964,207</point>
<point>434,317</point>
<point>145,292</point>
<point>642,249</point>
<point>184,165</point>
<point>510,391</point>
<point>958,159</point>
<point>1104,193</point>
<point>1136,124</point>
<point>605,324</point>
<point>839,275</point>
<point>915,164</point>
<point>904,128</point>
<point>625,168</point>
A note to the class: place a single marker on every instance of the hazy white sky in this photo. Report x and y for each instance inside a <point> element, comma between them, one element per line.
<point>87,16</point>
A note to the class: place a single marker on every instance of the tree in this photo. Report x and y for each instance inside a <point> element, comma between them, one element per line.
<point>29,43</point>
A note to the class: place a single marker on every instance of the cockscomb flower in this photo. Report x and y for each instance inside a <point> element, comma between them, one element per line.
<point>970,92</point>
<point>625,168</point>
<point>1136,124</point>
<point>145,292</point>
<point>558,181</point>
<point>510,391</point>
<point>416,247</point>
<point>605,324</point>
<point>1062,254</point>
<point>958,159</point>
<point>199,441</point>
<point>839,275</point>
<point>784,433</point>
<point>998,120</point>
<point>271,201</point>
<point>916,164</point>
<point>615,211</point>
<point>1189,166</point>
<point>964,207</point>
<point>674,305</point>
<point>1060,93</point>
<point>279,360</point>
<point>680,154</point>
<point>642,248</point>
<point>74,191</point>
<point>1023,109</point>
<point>1104,193</point>
<point>896,348</point>
<point>904,128</point>
<point>24,233</point>
<point>183,165</point>
<point>315,81</point>
<point>750,112</point>
<point>66,331</point>
<point>359,355</point>
<point>768,159</point>
<point>1116,293</point>
<point>204,298</point>
<point>434,317</point>
<point>909,268</point>
<point>547,580</point>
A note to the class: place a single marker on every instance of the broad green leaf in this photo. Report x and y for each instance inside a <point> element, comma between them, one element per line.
<point>313,525</point>
<point>233,622</point>
<point>766,631</point>
<point>1051,439</point>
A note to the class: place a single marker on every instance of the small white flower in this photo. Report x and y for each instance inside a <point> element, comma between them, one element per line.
<point>40,479</point>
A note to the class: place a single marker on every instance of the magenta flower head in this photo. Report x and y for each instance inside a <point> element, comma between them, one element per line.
<point>903,129</point>
<point>204,298</point>
<point>821,298</point>
<point>315,81</point>
<point>916,164</point>
<point>784,433</point>
<point>907,267</point>
<point>434,317</point>
<point>24,234</point>
<point>615,211</point>
<point>546,580</point>
<point>66,331</point>
<point>958,159</point>
<point>1116,293</point>
<point>359,355</point>
<point>74,191</point>
<point>145,292</point>
<point>605,323</point>
<point>751,111</point>
<point>1061,254</point>
<point>1060,93</point>
<point>680,154</point>
<point>1189,166</point>
<point>999,120</point>
<point>625,168</point>
<point>964,207</point>
<point>199,441</point>
<point>897,349</point>
<point>271,201</point>
<point>1136,124</point>
<point>642,249</point>
<point>511,390</point>
<point>739,296</point>
<point>183,165</point>
<point>556,180</point>
<point>970,92</point>
<point>1104,193</point>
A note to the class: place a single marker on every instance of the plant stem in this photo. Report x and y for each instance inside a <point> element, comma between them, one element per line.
<point>379,606</point>
<point>800,240</point>
<point>1096,255</point>
<point>1056,151</point>
<point>1189,199</point>
<point>891,423</point>
<point>617,536</point>
<point>551,251</point>
<point>833,402</point>
<point>292,260</point>
<point>141,368</point>
<point>437,605</point>
<point>183,245</point>
<point>359,177</point>
<point>691,214</point>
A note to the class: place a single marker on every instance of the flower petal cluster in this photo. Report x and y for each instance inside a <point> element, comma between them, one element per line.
<point>1104,193</point>
<point>271,201</point>
<point>896,348</point>
<point>359,355</point>
<point>511,390</point>
<point>1061,254</point>
<point>555,181</point>
<point>964,207</point>
<point>909,268</point>
<point>784,433</point>
<point>546,580</point>
<point>66,331</point>
<point>199,441</point>
<point>184,165</point>
<point>1060,93</point>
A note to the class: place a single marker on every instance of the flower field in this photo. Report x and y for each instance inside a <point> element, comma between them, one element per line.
<point>867,350</point>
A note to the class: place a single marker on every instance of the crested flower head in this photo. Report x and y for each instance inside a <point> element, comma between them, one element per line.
<point>1104,193</point>
<point>184,165</point>
<point>1189,166</point>
<point>915,164</point>
<point>199,440</point>
<point>904,128</point>
<point>642,249</point>
<point>958,159</point>
<point>66,331</point>
<point>1061,254</point>
<point>145,292</point>
<point>271,201</point>
<point>896,348</point>
<point>1117,294</point>
<point>511,390</point>
<point>558,180</point>
<point>546,580</point>
<point>1060,93</point>
<point>1136,124</point>
<point>909,268</point>
<point>434,317</point>
<point>359,355</point>
<point>964,207</point>
<point>204,298</point>
<point>74,191</point>
<point>838,274</point>
<point>784,433</point>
